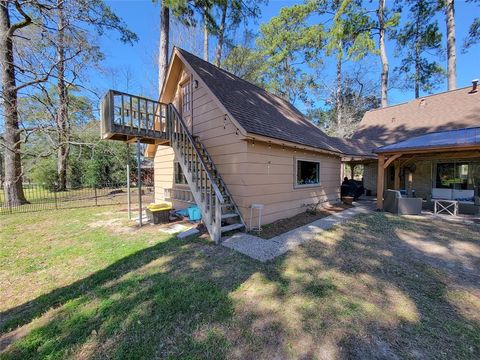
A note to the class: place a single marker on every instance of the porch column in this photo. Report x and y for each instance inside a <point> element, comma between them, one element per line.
<point>352,170</point>
<point>396,182</point>
<point>380,181</point>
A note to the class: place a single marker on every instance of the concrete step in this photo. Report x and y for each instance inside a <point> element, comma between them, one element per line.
<point>231,227</point>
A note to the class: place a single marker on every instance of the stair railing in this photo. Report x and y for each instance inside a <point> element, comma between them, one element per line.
<point>234,205</point>
<point>193,164</point>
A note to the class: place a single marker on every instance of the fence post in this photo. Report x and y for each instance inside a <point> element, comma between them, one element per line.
<point>95,190</point>
<point>139,183</point>
<point>128,193</point>
<point>55,195</point>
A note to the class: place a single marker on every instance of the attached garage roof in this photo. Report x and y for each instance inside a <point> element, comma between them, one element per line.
<point>459,138</point>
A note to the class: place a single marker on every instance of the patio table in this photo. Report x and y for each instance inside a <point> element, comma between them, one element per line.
<point>444,205</point>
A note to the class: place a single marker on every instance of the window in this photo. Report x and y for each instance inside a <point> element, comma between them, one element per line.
<point>308,172</point>
<point>186,98</point>
<point>461,175</point>
<point>179,178</point>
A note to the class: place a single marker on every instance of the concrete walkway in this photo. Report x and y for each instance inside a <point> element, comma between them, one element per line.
<point>264,250</point>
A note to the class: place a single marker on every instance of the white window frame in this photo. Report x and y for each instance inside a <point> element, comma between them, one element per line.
<point>301,186</point>
<point>186,94</point>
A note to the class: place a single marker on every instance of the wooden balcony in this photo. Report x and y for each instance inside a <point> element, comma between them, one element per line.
<point>126,117</point>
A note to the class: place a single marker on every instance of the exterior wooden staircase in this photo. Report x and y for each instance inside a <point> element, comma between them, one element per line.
<point>127,117</point>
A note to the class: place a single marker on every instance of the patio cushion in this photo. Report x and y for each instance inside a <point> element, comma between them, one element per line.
<point>463,195</point>
<point>438,193</point>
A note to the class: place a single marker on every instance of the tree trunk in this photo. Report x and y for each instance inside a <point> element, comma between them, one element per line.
<point>417,55</point>
<point>451,51</point>
<point>338,96</point>
<point>205,36</point>
<point>13,167</point>
<point>383,53</point>
<point>417,71</point>
<point>62,111</point>
<point>221,33</point>
<point>163,48</point>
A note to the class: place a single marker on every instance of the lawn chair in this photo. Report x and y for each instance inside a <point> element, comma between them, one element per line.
<point>397,204</point>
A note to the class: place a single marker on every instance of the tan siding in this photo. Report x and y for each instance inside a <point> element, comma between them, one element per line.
<point>253,173</point>
<point>163,167</point>
<point>269,172</point>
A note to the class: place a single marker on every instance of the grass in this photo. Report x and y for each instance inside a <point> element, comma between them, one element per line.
<point>87,284</point>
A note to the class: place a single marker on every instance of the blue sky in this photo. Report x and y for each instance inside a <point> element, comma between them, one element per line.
<point>133,69</point>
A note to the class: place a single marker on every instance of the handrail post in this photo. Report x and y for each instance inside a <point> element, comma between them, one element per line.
<point>218,220</point>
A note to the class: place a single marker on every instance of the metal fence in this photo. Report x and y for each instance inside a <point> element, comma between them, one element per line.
<point>42,198</point>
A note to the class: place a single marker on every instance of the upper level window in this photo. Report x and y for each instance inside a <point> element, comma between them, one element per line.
<point>186,97</point>
<point>308,172</point>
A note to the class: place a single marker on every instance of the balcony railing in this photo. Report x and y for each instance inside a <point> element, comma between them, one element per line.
<point>126,117</point>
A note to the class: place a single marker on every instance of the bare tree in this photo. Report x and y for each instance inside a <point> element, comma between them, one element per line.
<point>163,48</point>
<point>205,34</point>
<point>14,194</point>
<point>62,111</point>
<point>221,32</point>
<point>451,45</point>
<point>383,53</point>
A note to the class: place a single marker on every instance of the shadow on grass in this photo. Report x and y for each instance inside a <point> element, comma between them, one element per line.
<point>169,300</point>
<point>26,312</point>
<point>371,290</point>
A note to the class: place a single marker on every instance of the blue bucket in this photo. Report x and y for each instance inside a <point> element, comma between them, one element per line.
<point>194,213</point>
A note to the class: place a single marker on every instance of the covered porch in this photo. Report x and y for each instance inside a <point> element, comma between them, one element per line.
<point>442,165</point>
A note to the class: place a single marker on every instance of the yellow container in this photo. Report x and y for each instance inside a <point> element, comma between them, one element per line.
<point>160,206</point>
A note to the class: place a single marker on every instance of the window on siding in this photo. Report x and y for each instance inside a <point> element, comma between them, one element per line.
<point>178,174</point>
<point>308,172</point>
<point>186,97</point>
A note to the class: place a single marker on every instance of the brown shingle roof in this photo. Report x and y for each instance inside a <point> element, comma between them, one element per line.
<point>456,109</point>
<point>258,111</point>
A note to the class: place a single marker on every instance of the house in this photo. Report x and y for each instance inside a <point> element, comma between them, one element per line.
<point>223,143</point>
<point>429,146</point>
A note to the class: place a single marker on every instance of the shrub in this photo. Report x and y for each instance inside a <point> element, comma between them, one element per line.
<point>46,173</point>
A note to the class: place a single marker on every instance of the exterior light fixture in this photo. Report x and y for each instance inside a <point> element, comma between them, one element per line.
<point>195,84</point>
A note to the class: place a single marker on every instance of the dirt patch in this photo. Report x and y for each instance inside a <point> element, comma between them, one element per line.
<point>282,226</point>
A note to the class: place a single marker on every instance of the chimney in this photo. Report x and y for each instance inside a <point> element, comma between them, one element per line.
<point>474,86</point>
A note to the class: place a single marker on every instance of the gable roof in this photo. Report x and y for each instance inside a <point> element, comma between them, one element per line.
<point>451,110</point>
<point>258,111</point>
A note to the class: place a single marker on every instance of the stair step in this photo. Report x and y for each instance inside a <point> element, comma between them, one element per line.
<point>231,227</point>
<point>227,205</point>
<point>229,215</point>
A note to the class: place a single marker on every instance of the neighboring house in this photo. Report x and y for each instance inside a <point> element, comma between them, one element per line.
<point>429,145</point>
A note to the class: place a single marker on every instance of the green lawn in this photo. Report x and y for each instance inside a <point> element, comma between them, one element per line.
<point>87,284</point>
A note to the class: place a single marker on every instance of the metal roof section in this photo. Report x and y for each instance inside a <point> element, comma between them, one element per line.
<point>447,139</point>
